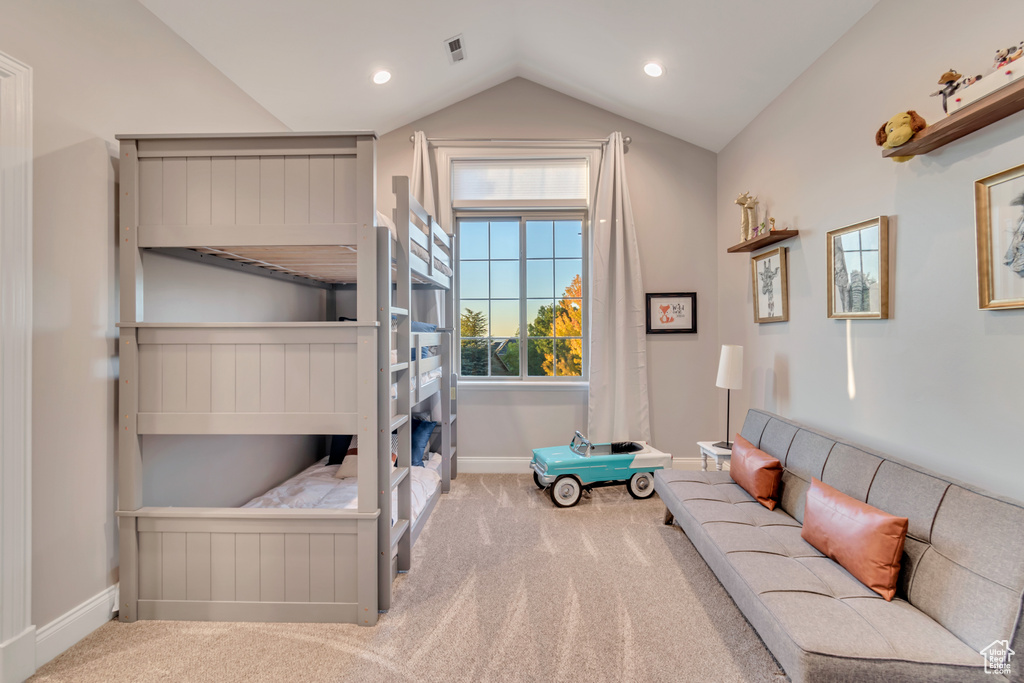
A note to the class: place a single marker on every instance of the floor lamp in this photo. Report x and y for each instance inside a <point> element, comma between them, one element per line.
<point>730,376</point>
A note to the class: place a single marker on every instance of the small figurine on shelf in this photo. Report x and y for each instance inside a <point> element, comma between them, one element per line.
<point>744,216</point>
<point>1007,55</point>
<point>970,81</point>
<point>751,208</point>
<point>771,222</point>
<point>950,82</point>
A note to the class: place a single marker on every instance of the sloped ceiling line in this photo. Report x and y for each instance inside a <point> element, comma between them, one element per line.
<point>310,62</point>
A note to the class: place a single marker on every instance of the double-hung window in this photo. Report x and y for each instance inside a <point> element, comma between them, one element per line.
<point>522,264</point>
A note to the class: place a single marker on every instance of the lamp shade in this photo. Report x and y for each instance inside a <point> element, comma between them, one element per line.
<point>730,367</point>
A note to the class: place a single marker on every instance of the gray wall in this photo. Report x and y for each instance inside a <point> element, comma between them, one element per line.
<point>100,68</point>
<point>940,383</point>
<point>672,185</point>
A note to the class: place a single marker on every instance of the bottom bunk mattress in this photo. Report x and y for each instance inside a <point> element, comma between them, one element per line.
<point>317,487</point>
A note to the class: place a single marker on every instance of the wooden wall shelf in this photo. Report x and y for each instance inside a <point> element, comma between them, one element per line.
<point>763,241</point>
<point>975,116</point>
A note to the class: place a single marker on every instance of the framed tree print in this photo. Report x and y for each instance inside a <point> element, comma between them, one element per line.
<point>770,280</point>
<point>858,270</point>
<point>999,203</point>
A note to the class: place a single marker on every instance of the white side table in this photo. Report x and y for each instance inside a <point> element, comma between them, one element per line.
<point>709,450</point>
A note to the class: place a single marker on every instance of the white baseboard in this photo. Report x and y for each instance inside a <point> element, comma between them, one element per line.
<point>17,657</point>
<point>522,465</point>
<point>494,465</point>
<point>67,629</point>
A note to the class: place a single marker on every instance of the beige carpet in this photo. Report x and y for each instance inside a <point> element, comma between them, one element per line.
<point>504,587</point>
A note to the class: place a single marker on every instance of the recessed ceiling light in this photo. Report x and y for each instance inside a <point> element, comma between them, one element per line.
<point>382,77</point>
<point>653,69</point>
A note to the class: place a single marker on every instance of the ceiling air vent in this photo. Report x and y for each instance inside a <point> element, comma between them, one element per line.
<point>455,49</point>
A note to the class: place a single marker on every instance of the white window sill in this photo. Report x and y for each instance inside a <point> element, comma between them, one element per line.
<point>516,385</point>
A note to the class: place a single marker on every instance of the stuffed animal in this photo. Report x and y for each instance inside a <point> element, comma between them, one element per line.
<point>950,82</point>
<point>1007,55</point>
<point>898,131</point>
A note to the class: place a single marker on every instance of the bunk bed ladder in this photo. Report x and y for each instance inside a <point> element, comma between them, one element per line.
<point>395,539</point>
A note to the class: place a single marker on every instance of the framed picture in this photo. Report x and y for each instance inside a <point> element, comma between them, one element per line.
<point>770,280</point>
<point>999,203</point>
<point>858,270</point>
<point>672,313</point>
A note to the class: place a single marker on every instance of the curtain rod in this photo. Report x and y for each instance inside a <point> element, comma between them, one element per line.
<point>626,140</point>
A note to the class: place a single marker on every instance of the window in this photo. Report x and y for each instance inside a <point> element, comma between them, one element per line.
<point>519,209</point>
<point>522,297</point>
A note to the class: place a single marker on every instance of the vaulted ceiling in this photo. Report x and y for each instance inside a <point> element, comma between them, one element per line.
<point>310,62</point>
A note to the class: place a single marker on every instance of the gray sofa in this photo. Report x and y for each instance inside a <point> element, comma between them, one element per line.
<point>961,580</point>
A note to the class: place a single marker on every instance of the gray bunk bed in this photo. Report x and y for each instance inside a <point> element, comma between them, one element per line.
<point>298,207</point>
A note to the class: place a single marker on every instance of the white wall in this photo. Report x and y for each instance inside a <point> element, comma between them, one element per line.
<point>672,185</point>
<point>940,383</point>
<point>100,68</point>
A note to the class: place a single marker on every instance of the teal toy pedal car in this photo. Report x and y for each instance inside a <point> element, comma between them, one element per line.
<point>567,471</point>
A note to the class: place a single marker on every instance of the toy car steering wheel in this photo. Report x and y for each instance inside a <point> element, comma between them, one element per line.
<point>580,448</point>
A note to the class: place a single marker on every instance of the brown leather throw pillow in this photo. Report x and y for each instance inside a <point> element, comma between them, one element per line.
<point>757,472</point>
<point>866,541</point>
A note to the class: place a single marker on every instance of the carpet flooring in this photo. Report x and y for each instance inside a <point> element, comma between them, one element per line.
<point>503,587</point>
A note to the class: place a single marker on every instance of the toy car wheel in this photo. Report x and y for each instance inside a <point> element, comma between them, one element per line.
<point>537,481</point>
<point>566,491</point>
<point>641,485</point>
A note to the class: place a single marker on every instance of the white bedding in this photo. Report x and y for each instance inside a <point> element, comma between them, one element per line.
<point>317,487</point>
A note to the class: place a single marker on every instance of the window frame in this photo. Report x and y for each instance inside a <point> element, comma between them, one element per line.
<point>451,211</point>
<point>523,217</point>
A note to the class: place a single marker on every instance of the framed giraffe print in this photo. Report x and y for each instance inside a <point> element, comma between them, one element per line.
<point>858,270</point>
<point>999,202</point>
<point>770,280</point>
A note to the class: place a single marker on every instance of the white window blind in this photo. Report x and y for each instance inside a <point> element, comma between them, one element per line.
<point>519,179</point>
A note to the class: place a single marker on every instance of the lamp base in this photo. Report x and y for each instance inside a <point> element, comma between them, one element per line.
<point>727,445</point>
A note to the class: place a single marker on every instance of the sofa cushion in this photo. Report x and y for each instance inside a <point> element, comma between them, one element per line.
<point>807,455</point>
<point>850,470</point>
<point>793,494</point>
<point>753,427</point>
<point>863,539</point>
<point>907,493</point>
<point>776,439</point>
<point>758,473</point>
<point>971,577</point>
<point>867,628</point>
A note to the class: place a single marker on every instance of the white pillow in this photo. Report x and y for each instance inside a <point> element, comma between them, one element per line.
<point>349,467</point>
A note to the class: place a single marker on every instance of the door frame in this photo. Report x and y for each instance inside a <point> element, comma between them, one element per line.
<point>17,633</point>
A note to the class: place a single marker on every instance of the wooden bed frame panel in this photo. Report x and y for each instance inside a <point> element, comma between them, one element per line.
<point>248,564</point>
<point>269,196</point>
<point>210,378</point>
<point>217,186</point>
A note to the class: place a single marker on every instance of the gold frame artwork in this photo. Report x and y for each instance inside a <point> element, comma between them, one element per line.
<point>988,297</point>
<point>756,282</point>
<point>882,223</point>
